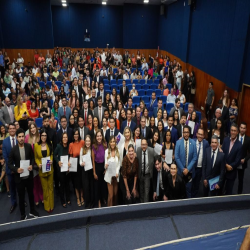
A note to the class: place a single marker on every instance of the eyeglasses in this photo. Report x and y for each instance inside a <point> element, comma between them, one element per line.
<point>44,135</point>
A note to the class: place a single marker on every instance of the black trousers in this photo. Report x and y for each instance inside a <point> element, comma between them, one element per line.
<point>2,70</point>
<point>240,180</point>
<point>196,182</point>
<point>208,112</point>
<point>100,186</point>
<point>229,184</point>
<point>88,187</point>
<point>28,184</point>
<point>64,178</point>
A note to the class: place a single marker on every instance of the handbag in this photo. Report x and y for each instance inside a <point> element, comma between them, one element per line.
<point>193,91</point>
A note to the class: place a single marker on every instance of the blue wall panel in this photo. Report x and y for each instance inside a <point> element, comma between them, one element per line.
<point>104,23</point>
<point>140,26</point>
<point>61,26</point>
<point>26,29</point>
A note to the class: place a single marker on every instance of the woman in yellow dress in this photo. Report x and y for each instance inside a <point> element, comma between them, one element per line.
<point>43,149</point>
<point>21,113</point>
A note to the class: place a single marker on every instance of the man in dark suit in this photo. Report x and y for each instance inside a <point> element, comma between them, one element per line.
<point>181,125</point>
<point>99,110</point>
<point>174,135</point>
<point>245,141</point>
<point>82,129</point>
<point>201,145</point>
<point>23,152</point>
<point>8,144</point>
<point>124,93</point>
<point>159,106</point>
<point>101,92</point>
<point>64,129</point>
<point>112,129</point>
<point>128,122</point>
<point>232,149</point>
<point>97,77</point>
<point>145,156</point>
<point>177,107</point>
<point>85,111</point>
<point>145,131</point>
<point>159,180</point>
<point>213,165</point>
<point>137,118</point>
<point>50,131</point>
<point>152,102</point>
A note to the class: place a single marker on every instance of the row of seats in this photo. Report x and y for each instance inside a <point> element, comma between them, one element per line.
<point>128,81</point>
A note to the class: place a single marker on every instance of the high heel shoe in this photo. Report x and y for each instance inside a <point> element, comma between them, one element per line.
<point>79,203</point>
<point>82,201</point>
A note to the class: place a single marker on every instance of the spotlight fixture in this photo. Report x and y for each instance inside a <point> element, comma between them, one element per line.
<point>64,1</point>
<point>104,3</point>
<point>64,5</point>
<point>146,1</point>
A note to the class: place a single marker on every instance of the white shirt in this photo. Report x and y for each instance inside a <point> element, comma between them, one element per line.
<point>103,56</point>
<point>200,157</point>
<point>101,73</point>
<point>20,60</point>
<point>215,155</point>
<point>34,70</point>
<point>125,76</point>
<point>171,98</point>
<point>73,75</point>
<point>23,84</point>
<point>82,133</point>
<point>179,73</point>
<point>13,84</point>
<point>182,97</point>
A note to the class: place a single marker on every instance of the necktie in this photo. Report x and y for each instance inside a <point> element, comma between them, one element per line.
<point>189,116</point>
<point>158,183</point>
<point>212,159</point>
<point>241,140</point>
<point>85,118</point>
<point>82,133</point>
<point>64,111</point>
<point>151,103</point>
<point>198,152</point>
<point>112,132</point>
<point>144,133</point>
<point>124,91</point>
<point>144,163</point>
<point>128,124</point>
<point>186,153</point>
<point>13,142</point>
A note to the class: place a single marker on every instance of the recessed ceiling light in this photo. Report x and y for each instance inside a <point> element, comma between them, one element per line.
<point>146,1</point>
<point>64,1</point>
<point>64,5</point>
<point>104,3</point>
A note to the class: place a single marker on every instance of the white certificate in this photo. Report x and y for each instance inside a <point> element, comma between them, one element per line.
<point>65,160</point>
<point>24,164</point>
<point>138,143</point>
<point>120,139</point>
<point>88,162</point>
<point>158,148</point>
<point>44,164</point>
<point>73,166</point>
<point>169,156</point>
<point>191,125</point>
<point>111,171</point>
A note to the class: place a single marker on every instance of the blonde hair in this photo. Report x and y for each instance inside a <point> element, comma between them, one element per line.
<point>84,148</point>
<point>109,148</point>
<point>30,141</point>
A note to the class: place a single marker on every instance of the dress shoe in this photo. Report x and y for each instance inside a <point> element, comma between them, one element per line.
<point>12,208</point>
<point>34,213</point>
<point>23,217</point>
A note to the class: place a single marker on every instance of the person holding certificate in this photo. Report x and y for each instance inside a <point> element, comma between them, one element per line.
<point>61,158</point>
<point>74,152</point>
<point>112,166</point>
<point>21,160</point>
<point>98,157</point>
<point>87,172</point>
<point>154,140</point>
<point>193,124</point>
<point>167,151</point>
<point>44,159</point>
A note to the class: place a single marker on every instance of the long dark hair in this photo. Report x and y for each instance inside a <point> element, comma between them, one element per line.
<point>61,142</point>
<point>48,142</point>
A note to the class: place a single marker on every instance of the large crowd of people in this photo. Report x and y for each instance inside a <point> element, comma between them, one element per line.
<point>71,120</point>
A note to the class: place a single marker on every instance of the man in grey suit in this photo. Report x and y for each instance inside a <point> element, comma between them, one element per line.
<point>177,107</point>
<point>7,113</point>
<point>99,110</point>
<point>145,157</point>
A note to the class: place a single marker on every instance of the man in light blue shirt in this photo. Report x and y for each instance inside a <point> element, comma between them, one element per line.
<point>65,86</point>
<point>171,97</point>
